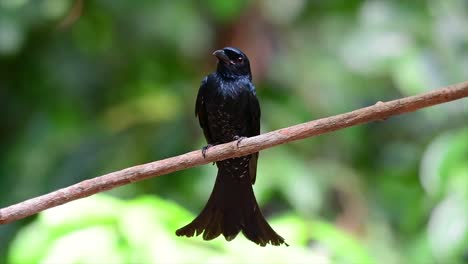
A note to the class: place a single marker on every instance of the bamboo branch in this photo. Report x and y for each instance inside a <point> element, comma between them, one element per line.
<point>379,111</point>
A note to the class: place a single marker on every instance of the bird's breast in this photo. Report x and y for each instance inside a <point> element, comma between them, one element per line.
<point>227,117</point>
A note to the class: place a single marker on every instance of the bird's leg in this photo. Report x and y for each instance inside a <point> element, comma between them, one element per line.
<point>239,139</point>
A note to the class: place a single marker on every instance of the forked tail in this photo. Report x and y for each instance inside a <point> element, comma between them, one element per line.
<point>232,208</point>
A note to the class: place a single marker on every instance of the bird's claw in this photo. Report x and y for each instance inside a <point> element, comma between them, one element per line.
<point>239,139</point>
<point>204,149</point>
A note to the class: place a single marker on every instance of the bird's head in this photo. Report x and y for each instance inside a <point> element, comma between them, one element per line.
<point>232,62</point>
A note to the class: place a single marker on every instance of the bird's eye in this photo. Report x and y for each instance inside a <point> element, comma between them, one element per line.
<point>240,59</point>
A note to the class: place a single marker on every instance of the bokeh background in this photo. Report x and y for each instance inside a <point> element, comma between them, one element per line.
<point>90,87</point>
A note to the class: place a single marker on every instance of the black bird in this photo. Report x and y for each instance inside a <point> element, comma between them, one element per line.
<point>228,110</point>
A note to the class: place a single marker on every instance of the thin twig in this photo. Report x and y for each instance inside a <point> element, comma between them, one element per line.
<point>379,111</point>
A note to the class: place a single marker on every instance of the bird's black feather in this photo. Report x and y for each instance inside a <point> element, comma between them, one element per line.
<point>227,109</point>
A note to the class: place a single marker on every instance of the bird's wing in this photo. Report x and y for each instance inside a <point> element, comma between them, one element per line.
<point>254,128</point>
<point>254,113</point>
<point>200,110</point>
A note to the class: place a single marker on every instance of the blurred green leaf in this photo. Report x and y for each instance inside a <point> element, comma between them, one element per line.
<point>142,230</point>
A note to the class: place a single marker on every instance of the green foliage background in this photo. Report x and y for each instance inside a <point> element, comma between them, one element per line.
<point>89,87</point>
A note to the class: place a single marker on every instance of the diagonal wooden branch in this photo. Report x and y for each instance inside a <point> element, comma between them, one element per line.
<point>379,111</point>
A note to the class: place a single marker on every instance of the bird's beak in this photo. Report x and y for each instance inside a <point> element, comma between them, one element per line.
<point>221,55</point>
